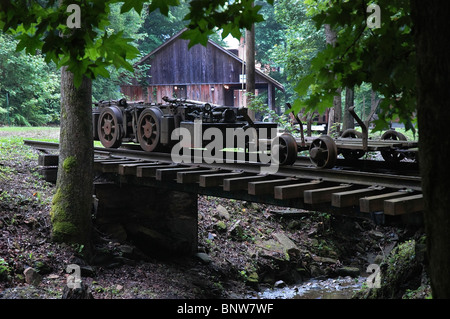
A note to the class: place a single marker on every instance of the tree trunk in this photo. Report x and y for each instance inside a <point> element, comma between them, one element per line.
<point>331,36</point>
<point>433,80</point>
<point>349,121</point>
<point>337,106</point>
<point>72,202</point>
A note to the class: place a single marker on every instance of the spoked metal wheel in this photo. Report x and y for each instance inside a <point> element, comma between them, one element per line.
<point>109,127</point>
<point>352,154</point>
<point>323,152</point>
<point>149,129</point>
<point>284,149</point>
<point>391,155</point>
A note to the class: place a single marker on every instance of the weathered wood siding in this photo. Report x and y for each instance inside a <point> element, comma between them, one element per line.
<point>176,64</point>
<point>213,93</point>
<point>133,92</point>
<point>200,92</point>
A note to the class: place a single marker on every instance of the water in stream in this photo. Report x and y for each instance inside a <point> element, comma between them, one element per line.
<point>332,288</point>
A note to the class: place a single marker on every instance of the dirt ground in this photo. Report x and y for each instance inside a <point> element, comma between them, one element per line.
<point>232,235</point>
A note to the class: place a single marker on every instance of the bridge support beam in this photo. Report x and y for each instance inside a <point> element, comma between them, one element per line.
<point>158,221</point>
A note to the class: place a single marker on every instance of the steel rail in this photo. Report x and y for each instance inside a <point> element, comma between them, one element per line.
<point>412,168</point>
<point>368,178</point>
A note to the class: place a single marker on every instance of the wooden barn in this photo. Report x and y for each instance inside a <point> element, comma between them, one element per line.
<point>209,74</point>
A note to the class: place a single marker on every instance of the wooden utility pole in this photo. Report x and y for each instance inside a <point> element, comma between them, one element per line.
<point>348,120</point>
<point>331,36</point>
<point>250,66</point>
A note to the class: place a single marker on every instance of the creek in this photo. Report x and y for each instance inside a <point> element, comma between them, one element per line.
<point>331,288</point>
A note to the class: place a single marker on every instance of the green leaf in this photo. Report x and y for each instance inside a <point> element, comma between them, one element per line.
<point>99,68</point>
<point>29,43</point>
<point>304,85</point>
<point>231,29</point>
<point>196,36</point>
<point>137,5</point>
<point>162,5</point>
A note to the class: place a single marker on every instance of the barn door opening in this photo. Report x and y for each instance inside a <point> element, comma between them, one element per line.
<point>228,96</point>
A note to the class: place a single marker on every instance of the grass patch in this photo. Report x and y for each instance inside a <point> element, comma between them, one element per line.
<point>12,147</point>
<point>21,129</point>
<point>42,133</point>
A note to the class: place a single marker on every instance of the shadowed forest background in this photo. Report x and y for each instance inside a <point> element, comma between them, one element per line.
<point>286,42</point>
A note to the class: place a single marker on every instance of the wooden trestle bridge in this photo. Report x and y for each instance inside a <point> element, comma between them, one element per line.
<point>362,188</point>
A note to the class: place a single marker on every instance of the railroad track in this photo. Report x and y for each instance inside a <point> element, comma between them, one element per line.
<point>358,191</point>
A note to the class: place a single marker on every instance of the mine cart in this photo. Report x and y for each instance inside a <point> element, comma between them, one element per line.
<point>152,125</point>
<point>324,150</point>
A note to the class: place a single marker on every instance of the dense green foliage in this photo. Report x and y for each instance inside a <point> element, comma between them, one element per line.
<point>29,87</point>
<point>117,37</point>
<point>290,45</point>
<point>105,87</point>
<point>301,42</point>
<point>287,41</point>
<point>383,57</point>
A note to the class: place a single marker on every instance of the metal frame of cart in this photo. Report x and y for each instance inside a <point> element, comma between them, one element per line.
<point>352,144</point>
